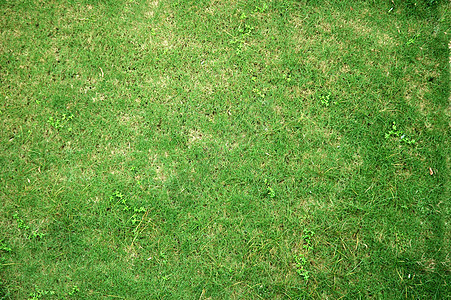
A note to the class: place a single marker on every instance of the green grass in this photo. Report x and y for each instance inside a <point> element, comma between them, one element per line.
<point>181,149</point>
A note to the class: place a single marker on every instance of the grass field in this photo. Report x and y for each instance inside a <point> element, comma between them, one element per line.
<point>261,149</point>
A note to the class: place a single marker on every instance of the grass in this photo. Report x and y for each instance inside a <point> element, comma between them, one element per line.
<point>180,149</point>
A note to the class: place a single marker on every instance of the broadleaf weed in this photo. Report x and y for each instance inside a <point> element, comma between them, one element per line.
<point>326,99</point>
<point>74,291</point>
<point>5,248</point>
<point>269,190</point>
<point>26,228</point>
<point>39,294</point>
<point>20,222</point>
<point>307,237</point>
<point>261,9</point>
<point>258,92</point>
<point>301,261</point>
<point>244,31</point>
<point>61,122</point>
<point>287,77</point>
<point>394,131</point>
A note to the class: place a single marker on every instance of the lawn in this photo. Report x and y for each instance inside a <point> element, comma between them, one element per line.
<point>261,149</point>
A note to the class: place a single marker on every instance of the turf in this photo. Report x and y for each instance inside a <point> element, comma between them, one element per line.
<point>181,149</point>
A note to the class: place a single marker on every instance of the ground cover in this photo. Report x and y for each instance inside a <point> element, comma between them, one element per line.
<point>181,149</point>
